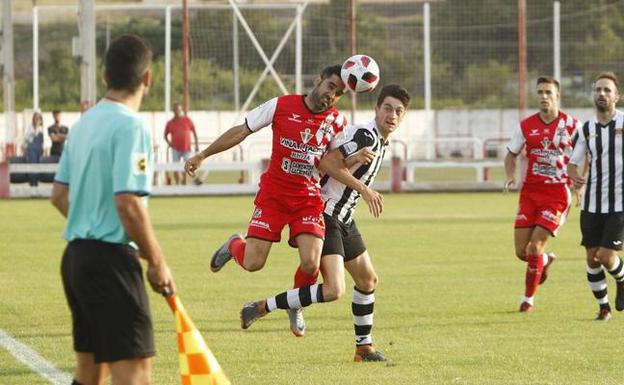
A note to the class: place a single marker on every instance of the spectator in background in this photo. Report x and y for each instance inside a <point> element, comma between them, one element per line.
<point>57,133</point>
<point>180,127</point>
<point>33,144</point>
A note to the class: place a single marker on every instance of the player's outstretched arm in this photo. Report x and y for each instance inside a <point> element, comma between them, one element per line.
<point>510,171</point>
<point>137,223</point>
<point>227,140</point>
<point>333,164</point>
<point>60,198</point>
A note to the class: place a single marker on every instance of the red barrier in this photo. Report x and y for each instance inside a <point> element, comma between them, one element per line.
<point>397,171</point>
<point>5,180</point>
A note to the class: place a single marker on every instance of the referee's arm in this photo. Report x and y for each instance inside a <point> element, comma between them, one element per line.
<point>138,226</point>
<point>60,198</point>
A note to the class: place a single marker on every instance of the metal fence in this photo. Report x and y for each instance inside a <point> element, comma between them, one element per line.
<point>473,49</point>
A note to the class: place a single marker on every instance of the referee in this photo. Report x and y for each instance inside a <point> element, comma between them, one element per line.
<point>101,185</point>
<point>602,208</point>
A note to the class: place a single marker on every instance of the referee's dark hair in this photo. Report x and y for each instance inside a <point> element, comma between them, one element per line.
<point>609,75</point>
<point>548,80</point>
<point>395,91</point>
<point>127,59</point>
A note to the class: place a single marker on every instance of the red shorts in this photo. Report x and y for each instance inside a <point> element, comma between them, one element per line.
<point>302,215</point>
<point>543,205</point>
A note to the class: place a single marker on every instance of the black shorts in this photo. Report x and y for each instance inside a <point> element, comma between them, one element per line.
<point>342,239</point>
<point>602,230</point>
<point>105,291</point>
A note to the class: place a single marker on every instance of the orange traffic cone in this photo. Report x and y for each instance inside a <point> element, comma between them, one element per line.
<point>198,366</point>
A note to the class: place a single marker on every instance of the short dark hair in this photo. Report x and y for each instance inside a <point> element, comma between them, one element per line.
<point>395,91</point>
<point>548,80</point>
<point>56,111</point>
<point>127,59</point>
<point>331,70</point>
<point>608,75</point>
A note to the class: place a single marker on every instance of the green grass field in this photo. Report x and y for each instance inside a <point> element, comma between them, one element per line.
<point>446,309</point>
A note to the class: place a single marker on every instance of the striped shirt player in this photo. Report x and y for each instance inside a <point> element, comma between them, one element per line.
<point>602,207</point>
<point>547,138</point>
<point>340,200</point>
<point>604,192</point>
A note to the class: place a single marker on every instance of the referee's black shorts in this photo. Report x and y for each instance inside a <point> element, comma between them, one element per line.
<point>602,230</point>
<point>105,291</point>
<point>342,239</point>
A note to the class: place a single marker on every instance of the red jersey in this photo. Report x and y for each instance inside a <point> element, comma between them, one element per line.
<point>300,138</point>
<point>180,129</point>
<point>548,147</point>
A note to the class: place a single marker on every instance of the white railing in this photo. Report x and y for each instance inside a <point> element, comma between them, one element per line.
<point>401,177</point>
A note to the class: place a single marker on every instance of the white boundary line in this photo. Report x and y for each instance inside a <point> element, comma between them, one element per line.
<point>33,360</point>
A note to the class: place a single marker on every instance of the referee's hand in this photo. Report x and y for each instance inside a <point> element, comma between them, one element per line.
<point>160,278</point>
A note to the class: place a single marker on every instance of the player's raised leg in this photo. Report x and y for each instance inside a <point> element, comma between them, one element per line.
<point>365,278</point>
<point>309,246</point>
<point>250,254</point>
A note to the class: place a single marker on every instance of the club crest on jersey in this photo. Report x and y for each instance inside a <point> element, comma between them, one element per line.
<point>306,135</point>
<point>295,118</point>
<point>139,163</point>
<point>545,142</point>
<point>325,128</point>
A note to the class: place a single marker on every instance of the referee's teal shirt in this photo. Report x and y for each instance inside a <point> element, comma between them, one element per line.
<point>108,152</point>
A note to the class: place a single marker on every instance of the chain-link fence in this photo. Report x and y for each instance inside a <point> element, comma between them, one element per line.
<point>474,49</point>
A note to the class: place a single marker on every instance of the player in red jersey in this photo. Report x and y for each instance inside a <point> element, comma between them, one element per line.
<point>545,196</point>
<point>289,193</point>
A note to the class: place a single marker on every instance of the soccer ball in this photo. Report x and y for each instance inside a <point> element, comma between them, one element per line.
<point>360,73</point>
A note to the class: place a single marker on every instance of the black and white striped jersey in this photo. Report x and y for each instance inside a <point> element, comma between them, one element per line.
<point>339,199</point>
<point>604,191</point>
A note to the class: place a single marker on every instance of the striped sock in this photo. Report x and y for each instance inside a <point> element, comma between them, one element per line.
<point>598,284</point>
<point>296,298</point>
<point>362,308</point>
<point>617,271</point>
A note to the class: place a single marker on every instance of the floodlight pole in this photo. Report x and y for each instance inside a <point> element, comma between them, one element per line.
<point>353,46</point>
<point>522,58</point>
<point>427,55</point>
<point>185,56</point>
<point>557,40</point>
<point>88,91</point>
<point>8,79</point>
<point>167,60</point>
<point>35,33</point>
<point>235,62</point>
